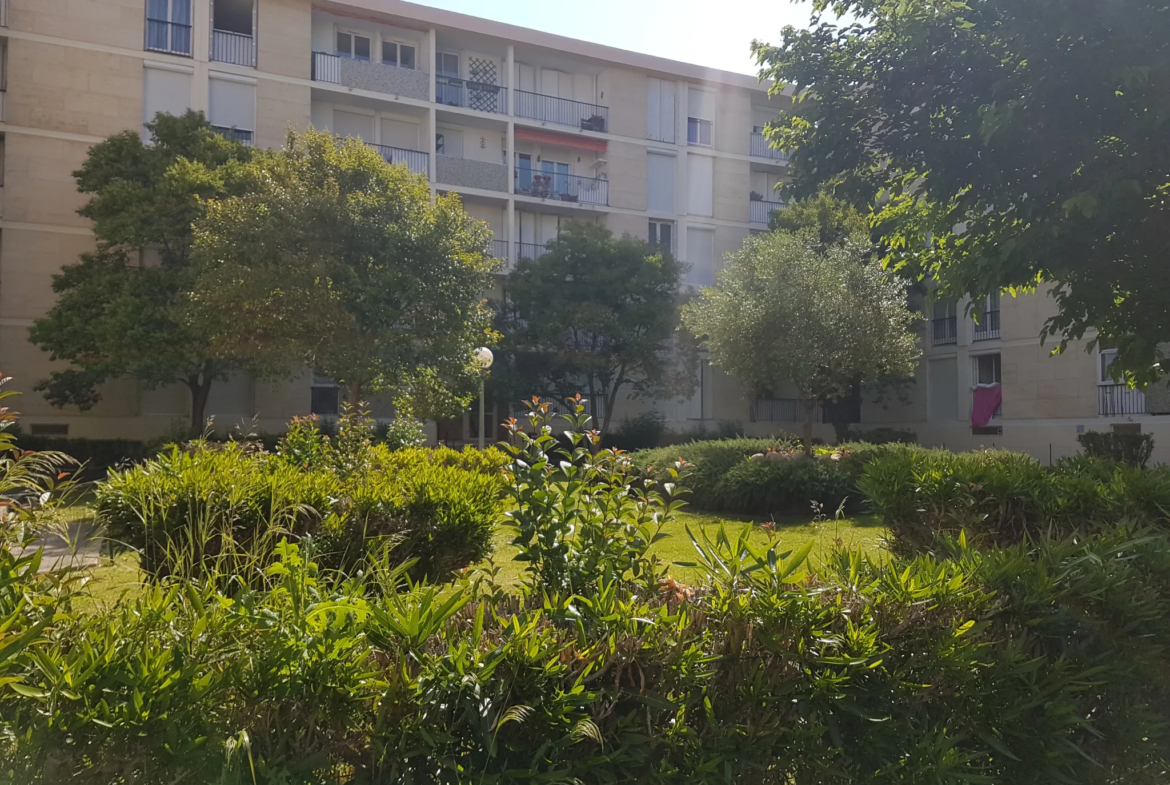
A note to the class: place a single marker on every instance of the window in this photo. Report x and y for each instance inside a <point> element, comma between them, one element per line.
<point>985,369</point>
<point>661,237</point>
<point>447,64</point>
<point>447,87</point>
<point>700,184</point>
<point>701,255</point>
<point>944,325</point>
<point>353,125</point>
<point>232,107</point>
<point>353,46</point>
<point>324,397</point>
<point>987,326</point>
<point>398,55</point>
<point>168,26</point>
<point>698,132</point>
<point>700,113</point>
<point>660,110</point>
<point>448,142</point>
<point>164,90</point>
<point>232,16</point>
<point>1107,357</point>
<point>659,183</point>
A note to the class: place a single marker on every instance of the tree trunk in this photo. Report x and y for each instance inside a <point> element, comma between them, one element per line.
<point>200,386</point>
<point>354,393</point>
<point>810,409</point>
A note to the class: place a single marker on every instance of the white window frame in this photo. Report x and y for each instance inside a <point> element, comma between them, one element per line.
<point>398,44</point>
<point>1104,380</point>
<point>654,232</point>
<point>975,368</point>
<point>353,35</point>
<point>701,125</point>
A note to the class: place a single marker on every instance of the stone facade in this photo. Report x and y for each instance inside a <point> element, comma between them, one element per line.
<point>471,173</point>
<point>378,78</point>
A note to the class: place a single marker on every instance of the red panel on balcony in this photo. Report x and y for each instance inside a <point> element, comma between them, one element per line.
<point>566,140</point>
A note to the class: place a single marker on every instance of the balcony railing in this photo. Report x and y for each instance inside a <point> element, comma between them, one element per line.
<point>236,134</point>
<point>761,210</point>
<point>987,327</point>
<point>782,410</point>
<point>1118,399</point>
<point>562,111</point>
<point>944,331</point>
<point>415,160</point>
<point>235,48</point>
<point>482,97</point>
<point>562,187</point>
<point>530,250</point>
<point>500,249</point>
<point>326,68</point>
<point>761,149</point>
<point>170,37</point>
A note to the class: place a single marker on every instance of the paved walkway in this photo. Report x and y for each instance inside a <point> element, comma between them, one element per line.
<point>76,546</point>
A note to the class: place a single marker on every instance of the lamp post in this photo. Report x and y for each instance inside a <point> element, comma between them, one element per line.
<point>482,359</point>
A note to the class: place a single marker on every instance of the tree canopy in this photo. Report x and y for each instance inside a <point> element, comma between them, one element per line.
<point>120,309</point>
<point>786,309</point>
<point>1003,144</point>
<point>332,258</point>
<point>599,315</point>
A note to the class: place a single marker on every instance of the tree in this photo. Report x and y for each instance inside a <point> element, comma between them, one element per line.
<point>119,310</point>
<point>599,315</point>
<point>833,220</point>
<point>786,309</point>
<point>1005,144</point>
<point>335,259</point>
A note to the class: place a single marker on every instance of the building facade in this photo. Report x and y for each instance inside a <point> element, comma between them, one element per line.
<point>532,130</point>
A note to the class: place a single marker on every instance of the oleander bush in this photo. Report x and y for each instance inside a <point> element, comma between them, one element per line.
<point>222,507</point>
<point>1007,496</point>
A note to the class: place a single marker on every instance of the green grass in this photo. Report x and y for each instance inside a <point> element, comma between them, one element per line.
<point>119,577</point>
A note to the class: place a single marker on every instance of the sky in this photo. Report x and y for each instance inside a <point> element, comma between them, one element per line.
<point>711,33</point>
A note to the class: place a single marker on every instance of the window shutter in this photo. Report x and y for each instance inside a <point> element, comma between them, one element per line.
<point>232,104</point>
<point>164,91</point>
<point>397,133</point>
<point>666,121</point>
<point>701,255</point>
<point>356,125</point>
<point>701,104</point>
<point>659,183</point>
<point>701,170</point>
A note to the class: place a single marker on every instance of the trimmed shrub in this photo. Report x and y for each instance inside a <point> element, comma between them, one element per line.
<point>785,487</point>
<point>709,462</point>
<point>1134,449</point>
<point>882,436</point>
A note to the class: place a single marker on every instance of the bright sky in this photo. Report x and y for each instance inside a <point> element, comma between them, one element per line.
<point>712,33</point>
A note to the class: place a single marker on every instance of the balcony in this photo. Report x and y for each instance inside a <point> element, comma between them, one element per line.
<point>987,328</point>
<point>782,410</point>
<point>761,149</point>
<point>168,37</point>
<point>944,331</point>
<point>1114,400</point>
<point>371,76</point>
<point>234,48</point>
<point>499,250</point>
<point>479,96</point>
<point>472,173</point>
<point>415,160</point>
<point>562,111</point>
<point>530,250</point>
<point>762,209</point>
<point>234,134</point>
<point>561,187</point>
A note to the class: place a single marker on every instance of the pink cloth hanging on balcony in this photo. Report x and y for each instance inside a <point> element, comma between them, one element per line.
<point>986,400</point>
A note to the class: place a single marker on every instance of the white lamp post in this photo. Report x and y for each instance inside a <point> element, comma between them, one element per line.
<point>482,358</point>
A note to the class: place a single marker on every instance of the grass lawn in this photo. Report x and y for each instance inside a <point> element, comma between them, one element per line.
<point>119,577</point>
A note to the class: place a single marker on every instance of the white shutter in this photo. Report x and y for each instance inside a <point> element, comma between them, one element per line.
<point>666,112</point>
<point>584,88</point>
<point>549,228</point>
<point>700,182</point>
<point>232,104</point>
<point>356,125</point>
<point>396,133</point>
<point>527,225</point>
<point>165,91</point>
<point>701,256</point>
<point>654,108</point>
<point>550,82</point>
<point>659,183</point>
<point>701,104</point>
<point>525,78</point>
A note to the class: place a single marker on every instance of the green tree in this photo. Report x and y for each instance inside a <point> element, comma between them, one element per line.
<point>119,310</point>
<point>1006,143</point>
<point>833,220</point>
<point>787,310</point>
<point>334,259</point>
<point>597,315</point>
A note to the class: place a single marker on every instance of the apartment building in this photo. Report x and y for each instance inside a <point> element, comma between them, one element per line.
<point>532,130</point>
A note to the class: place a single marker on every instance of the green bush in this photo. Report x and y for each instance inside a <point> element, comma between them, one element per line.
<point>1006,496</point>
<point>785,487</point>
<point>882,436</point>
<point>193,507</point>
<point>709,462</point>
<point>98,455</point>
<point>1134,449</point>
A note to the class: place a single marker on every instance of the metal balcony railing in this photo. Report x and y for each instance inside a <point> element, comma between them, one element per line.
<point>562,111</point>
<point>235,48</point>
<point>987,327</point>
<point>1118,399</point>
<point>529,250</point>
<point>944,331</point>
<point>761,149</point>
<point>482,97</point>
<point>499,249</point>
<point>761,210</point>
<point>326,68</point>
<point>170,37</point>
<point>237,134</point>
<point>782,410</point>
<point>562,187</point>
<point>415,160</point>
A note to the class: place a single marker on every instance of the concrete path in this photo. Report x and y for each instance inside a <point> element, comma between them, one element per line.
<point>77,545</point>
